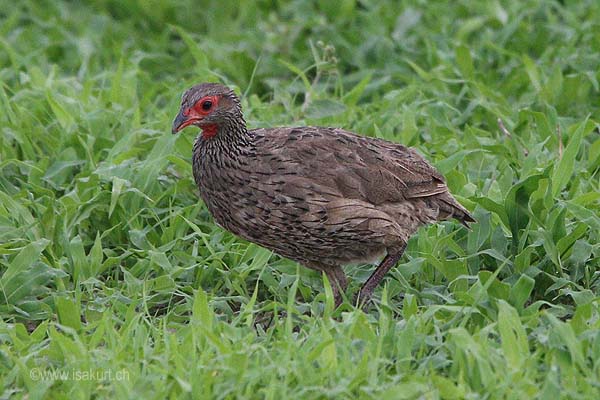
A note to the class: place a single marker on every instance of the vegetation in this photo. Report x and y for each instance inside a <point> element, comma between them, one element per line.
<point>113,274</point>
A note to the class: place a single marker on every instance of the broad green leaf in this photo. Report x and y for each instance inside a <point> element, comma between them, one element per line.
<point>69,312</point>
<point>533,72</point>
<point>566,165</point>
<point>65,119</point>
<point>516,205</point>
<point>464,61</point>
<point>409,307</point>
<point>197,53</point>
<point>352,97</point>
<point>520,291</point>
<point>201,312</point>
<point>448,164</point>
<point>512,335</point>
<point>23,260</point>
<point>117,187</point>
<point>562,335</point>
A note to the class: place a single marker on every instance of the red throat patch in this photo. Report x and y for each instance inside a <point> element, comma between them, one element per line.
<point>209,131</point>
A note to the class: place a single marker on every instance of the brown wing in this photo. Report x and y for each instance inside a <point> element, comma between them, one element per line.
<point>338,186</point>
<point>359,168</point>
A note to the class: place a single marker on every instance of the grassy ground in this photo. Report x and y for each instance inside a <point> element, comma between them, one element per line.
<point>115,283</point>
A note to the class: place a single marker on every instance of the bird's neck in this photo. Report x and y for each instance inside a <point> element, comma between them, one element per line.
<point>229,140</point>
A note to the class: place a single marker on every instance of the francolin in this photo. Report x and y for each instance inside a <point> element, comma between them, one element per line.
<point>324,197</point>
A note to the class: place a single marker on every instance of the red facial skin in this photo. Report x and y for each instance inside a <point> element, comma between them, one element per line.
<point>209,131</point>
<point>196,113</point>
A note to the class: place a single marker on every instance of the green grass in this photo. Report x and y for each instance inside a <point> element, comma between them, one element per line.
<point>110,265</point>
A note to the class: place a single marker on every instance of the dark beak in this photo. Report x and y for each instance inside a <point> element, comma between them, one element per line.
<point>178,123</point>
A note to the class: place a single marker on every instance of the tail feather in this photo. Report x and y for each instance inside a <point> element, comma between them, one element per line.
<point>450,208</point>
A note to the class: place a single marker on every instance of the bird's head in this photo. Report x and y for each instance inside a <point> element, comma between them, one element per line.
<point>209,106</point>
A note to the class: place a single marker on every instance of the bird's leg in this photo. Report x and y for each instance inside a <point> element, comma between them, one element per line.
<point>338,281</point>
<point>336,277</point>
<point>366,291</point>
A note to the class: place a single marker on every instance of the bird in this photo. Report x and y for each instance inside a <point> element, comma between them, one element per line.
<point>321,196</point>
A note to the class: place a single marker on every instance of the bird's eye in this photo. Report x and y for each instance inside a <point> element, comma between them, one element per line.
<point>206,105</point>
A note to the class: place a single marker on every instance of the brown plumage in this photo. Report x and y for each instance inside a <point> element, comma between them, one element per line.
<point>323,197</point>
